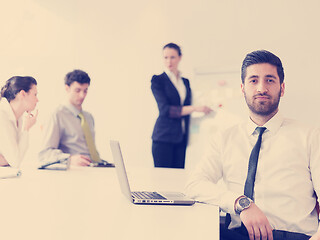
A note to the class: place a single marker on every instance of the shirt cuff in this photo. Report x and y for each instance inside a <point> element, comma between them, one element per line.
<point>64,156</point>
<point>229,199</point>
<point>175,111</point>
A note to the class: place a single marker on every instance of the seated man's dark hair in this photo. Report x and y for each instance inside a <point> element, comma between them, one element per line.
<point>262,56</point>
<point>77,76</point>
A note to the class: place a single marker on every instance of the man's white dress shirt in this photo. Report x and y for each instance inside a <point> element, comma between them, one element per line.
<point>288,172</point>
<point>13,139</point>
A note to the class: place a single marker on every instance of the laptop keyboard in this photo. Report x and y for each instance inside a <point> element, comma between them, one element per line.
<point>147,195</point>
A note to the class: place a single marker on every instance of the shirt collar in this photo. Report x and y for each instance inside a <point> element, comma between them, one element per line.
<point>272,125</point>
<point>5,106</point>
<point>171,75</point>
<point>72,109</point>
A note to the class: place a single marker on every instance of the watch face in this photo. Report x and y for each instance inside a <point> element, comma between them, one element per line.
<point>244,202</point>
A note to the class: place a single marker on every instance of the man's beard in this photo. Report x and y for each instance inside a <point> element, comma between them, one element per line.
<point>263,108</point>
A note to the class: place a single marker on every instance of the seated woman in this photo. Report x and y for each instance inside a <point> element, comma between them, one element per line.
<point>18,99</point>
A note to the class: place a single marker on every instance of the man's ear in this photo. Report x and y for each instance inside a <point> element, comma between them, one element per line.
<point>282,87</point>
<point>67,87</point>
<point>242,87</point>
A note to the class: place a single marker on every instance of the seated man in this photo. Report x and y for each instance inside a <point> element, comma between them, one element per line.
<point>270,164</point>
<point>68,136</point>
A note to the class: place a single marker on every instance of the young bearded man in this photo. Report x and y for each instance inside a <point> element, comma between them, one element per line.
<point>270,165</point>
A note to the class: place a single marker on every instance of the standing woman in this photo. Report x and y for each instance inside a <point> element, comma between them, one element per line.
<point>18,95</point>
<point>173,96</point>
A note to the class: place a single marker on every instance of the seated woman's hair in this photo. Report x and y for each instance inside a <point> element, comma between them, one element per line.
<point>15,84</point>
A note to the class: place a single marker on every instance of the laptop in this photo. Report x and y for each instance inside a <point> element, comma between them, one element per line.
<point>144,197</point>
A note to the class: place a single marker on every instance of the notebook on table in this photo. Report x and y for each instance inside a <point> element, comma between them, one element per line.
<point>143,197</point>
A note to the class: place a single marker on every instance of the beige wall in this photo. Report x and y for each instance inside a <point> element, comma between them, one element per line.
<point>119,44</point>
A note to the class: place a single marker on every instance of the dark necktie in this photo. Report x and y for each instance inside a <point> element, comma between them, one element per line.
<point>253,162</point>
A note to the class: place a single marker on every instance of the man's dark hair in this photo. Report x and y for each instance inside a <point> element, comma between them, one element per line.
<point>262,56</point>
<point>15,84</point>
<point>174,46</point>
<point>77,76</point>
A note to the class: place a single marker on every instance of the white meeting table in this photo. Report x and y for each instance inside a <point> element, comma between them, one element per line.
<point>86,203</point>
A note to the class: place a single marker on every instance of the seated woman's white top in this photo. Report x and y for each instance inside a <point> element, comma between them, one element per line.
<point>13,139</point>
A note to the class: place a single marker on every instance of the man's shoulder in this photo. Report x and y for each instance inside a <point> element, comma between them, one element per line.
<point>59,113</point>
<point>226,133</point>
<point>231,129</point>
<point>299,126</point>
<point>85,112</point>
<point>60,110</point>
<point>295,123</point>
<point>63,110</point>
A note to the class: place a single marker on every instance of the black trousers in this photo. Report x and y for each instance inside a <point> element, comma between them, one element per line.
<point>242,234</point>
<point>169,155</point>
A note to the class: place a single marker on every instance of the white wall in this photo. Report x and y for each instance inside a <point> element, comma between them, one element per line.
<point>119,44</point>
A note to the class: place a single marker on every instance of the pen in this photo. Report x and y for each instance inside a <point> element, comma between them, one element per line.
<point>52,163</point>
<point>11,175</point>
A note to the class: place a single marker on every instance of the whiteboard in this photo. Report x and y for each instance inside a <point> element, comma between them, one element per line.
<point>220,90</point>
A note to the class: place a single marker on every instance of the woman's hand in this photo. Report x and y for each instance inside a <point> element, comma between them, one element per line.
<point>186,110</point>
<point>205,109</point>
<point>3,161</point>
<point>30,120</point>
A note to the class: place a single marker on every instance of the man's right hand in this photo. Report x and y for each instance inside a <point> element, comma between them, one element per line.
<point>256,223</point>
<point>79,160</point>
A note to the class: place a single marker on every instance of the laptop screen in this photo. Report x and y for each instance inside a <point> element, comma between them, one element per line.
<point>120,168</point>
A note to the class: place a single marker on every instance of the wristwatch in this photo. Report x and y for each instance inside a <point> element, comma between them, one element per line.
<point>242,203</point>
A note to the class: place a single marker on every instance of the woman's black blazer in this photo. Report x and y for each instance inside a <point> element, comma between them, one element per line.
<point>168,125</point>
